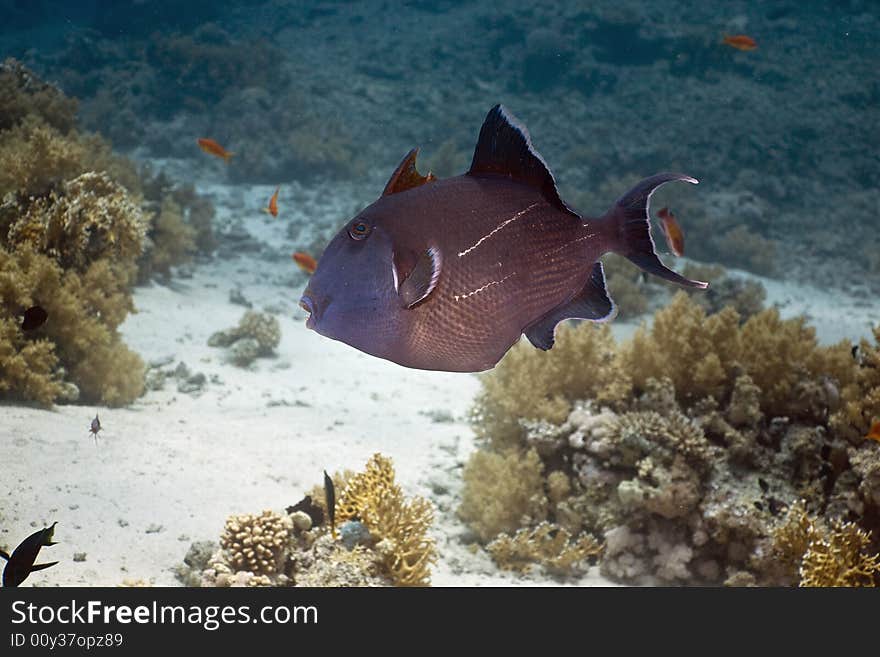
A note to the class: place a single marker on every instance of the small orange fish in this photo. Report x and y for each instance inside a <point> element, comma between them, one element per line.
<point>874,433</point>
<point>740,42</point>
<point>213,148</point>
<point>306,262</point>
<point>273,204</point>
<point>672,231</point>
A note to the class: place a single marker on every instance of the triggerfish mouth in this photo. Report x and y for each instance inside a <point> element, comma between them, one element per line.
<point>448,274</point>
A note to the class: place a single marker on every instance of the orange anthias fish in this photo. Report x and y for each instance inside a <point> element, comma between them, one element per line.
<point>211,147</point>
<point>672,231</point>
<point>306,262</point>
<point>874,433</point>
<point>273,204</point>
<point>740,42</point>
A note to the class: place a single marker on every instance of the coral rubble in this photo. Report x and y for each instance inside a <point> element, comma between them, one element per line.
<point>683,448</point>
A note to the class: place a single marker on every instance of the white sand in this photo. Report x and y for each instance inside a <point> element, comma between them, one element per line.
<point>168,470</point>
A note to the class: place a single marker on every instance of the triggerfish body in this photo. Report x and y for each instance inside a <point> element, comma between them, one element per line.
<point>448,274</point>
<point>21,563</point>
<point>211,147</point>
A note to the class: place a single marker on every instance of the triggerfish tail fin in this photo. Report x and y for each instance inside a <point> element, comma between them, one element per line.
<point>630,228</point>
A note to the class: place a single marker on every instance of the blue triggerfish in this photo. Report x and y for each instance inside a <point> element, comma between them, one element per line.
<point>448,274</point>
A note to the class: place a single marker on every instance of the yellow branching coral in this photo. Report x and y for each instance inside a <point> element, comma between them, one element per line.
<point>823,556</point>
<point>539,385</point>
<point>502,492</point>
<point>257,543</point>
<point>400,526</point>
<point>840,559</point>
<point>92,218</point>
<point>546,544</point>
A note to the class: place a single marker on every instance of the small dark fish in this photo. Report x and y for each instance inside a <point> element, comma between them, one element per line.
<point>33,318</point>
<point>330,498</point>
<point>763,484</point>
<point>95,427</point>
<point>22,562</point>
<point>758,506</point>
<point>307,506</point>
<point>449,274</point>
<point>855,352</point>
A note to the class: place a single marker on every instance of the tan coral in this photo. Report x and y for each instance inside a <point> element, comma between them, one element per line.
<point>840,559</point>
<point>502,492</point>
<point>545,544</point>
<point>257,543</point>
<point>93,217</point>
<point>400,526</point>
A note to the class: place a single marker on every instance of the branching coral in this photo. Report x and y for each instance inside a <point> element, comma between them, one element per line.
<point>861,397</point>
<point>547,545</point>
<point>400,526</point>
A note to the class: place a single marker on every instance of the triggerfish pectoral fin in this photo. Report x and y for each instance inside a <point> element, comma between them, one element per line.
<point>592,303</point>
<point>630,225</point>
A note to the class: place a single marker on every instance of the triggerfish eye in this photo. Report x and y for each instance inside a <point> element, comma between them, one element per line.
<point>359,230</point>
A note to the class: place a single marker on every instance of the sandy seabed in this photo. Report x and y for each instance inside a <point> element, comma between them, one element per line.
<point>170,468</point>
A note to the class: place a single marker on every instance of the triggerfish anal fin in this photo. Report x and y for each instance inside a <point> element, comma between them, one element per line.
<point>422,280</point>
<point>406,176</point>
<point>504,147</point>
<point>43,566</point>
<point>592,303</point>
<point>631,226</point>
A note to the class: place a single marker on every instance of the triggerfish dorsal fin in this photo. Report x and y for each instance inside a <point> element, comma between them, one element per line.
<point>406,176</point>
<point>592,303</point>
<point>504,147</point>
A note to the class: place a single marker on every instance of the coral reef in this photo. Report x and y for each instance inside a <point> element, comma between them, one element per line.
<point>256,335</point>
<point>399,526</point>
<point>682,448</point>
<point>74,229</point>
<point>383,541</point>
<point>547,545</point>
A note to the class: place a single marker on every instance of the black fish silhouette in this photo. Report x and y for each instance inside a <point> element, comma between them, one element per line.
<point>448,274</point>
<point>330,498</point>
<point>21,563</point>
<point>33,318</point>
